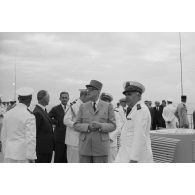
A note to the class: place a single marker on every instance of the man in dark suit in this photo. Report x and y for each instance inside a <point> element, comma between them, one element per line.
<point>158,121</point>
<point>193,120</point>
<point>57,115</point>
<point>45,137</point>
<point>94,121</point>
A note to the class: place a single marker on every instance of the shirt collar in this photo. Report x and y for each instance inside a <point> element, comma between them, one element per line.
<point>63,105</point>
<point>97,102</point>
<point>22,105</point>
<point>43,107</point>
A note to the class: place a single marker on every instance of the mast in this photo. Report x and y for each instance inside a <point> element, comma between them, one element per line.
<point>14,79</point>
<point>181,65</point>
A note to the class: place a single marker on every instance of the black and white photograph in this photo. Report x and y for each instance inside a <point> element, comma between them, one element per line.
<point>97,97</point>
<point>94,97</point>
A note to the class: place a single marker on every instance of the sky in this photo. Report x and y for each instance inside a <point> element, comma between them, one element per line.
<point>68,61</point>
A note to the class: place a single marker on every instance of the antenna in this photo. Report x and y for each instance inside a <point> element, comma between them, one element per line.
<point>14,79</point>
<point>181,65</point>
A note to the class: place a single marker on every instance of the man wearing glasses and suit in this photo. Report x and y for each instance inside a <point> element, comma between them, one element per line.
<point>94,121</point>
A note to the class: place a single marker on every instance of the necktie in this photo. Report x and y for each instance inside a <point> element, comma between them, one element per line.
<point>94,107</point>
<point>45,110</point>
<point>64,108</point>
<point>128,110</point>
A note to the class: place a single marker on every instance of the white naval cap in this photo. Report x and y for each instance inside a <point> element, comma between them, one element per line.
<point>25,91</point>
<point>132,86</point>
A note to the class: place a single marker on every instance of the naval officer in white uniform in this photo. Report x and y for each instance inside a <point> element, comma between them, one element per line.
<point>135,135</point>
<point>19,130</point>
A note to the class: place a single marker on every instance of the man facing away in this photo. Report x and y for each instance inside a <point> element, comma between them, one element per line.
<point>57,115</point>
<point>19,130</point>
<point>45,137</point>
<point>72,136</point>
<point>135,135</point>
<point>94,121</point>
<point>181,113</point>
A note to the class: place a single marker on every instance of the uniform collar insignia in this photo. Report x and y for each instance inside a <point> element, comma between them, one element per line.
<point>138,106</point>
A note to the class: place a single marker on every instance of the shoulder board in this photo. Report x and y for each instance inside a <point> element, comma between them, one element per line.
<point>116,110</point>
<point>30,111</point>
<point>138,107</point>
<point>74,102</point>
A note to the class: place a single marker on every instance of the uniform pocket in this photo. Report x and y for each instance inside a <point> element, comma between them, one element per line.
<point>104,137</point>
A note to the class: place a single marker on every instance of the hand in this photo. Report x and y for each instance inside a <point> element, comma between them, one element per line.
<point>96,125</point>
<point>31,161</point>
<point>91,127</point>
<point>111,141</point>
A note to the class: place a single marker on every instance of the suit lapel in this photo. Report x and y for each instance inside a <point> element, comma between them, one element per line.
<point>90,107</point>
<point>61,109</point>
<point>98,106</point>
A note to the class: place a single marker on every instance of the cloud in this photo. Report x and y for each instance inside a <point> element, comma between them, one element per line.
<point>67,61</point>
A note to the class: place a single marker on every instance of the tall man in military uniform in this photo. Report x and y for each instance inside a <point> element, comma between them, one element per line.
<point>94,121</point>
<point>19,131</point>
<point>181,113</point>
<point>135,135</point>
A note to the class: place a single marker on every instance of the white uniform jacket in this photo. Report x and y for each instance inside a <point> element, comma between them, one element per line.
<point>169,115</point>
<point>19,134</point>
<point>72,136</point>
<point>135,136</point>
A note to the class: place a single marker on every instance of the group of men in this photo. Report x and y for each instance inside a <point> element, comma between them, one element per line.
<point>167,115</point>
<point>87,130</point>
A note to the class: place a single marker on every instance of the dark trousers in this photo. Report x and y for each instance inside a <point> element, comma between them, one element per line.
<point>93,159</point>
<point>44,158</point>
<point>60,153</point>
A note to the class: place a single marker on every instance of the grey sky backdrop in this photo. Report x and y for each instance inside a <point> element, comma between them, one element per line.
<point>68,61</point>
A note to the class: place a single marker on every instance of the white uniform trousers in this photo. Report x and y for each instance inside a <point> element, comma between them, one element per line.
<point>112,154</point>
<point>72,154</point>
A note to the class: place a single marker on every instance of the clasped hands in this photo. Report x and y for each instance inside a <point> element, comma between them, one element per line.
<point>94,126</point>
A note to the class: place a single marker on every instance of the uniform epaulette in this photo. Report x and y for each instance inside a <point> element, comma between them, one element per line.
<point>74,102</point>
<point>116,110</point>
<point>138,107</point>
<point>30,111</point>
